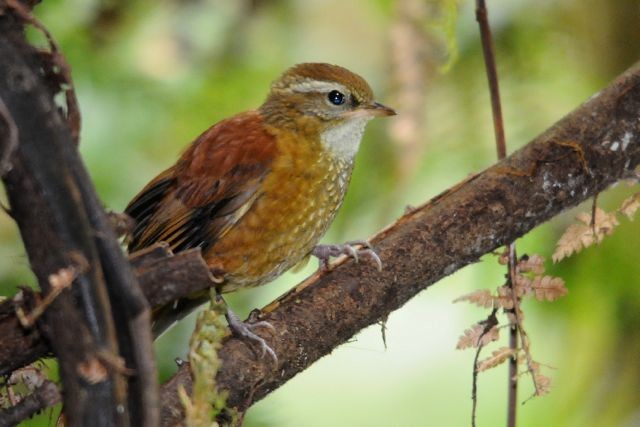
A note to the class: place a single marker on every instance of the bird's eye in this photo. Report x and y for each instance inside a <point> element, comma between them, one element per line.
<point>336,97</point>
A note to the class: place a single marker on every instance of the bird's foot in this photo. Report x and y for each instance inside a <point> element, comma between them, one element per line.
<point>325,252</point>
<point>244,331</point>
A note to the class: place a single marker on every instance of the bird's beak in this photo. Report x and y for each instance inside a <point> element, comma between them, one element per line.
<point>369,111</point>
<point>378,110</point>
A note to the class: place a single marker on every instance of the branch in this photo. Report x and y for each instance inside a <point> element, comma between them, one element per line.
<point>45,396</point>
<point>69,240</point>
<point>163,277</point>
<point>580,156</point>
<point>55,232</point>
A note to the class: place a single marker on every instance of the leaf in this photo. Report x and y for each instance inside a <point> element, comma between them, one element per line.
<point>504,298</point>
<point>498,357</point>
<point>533,264</point>
<point>605,222</point>
<point>573,240</point>
<point>481,297</point>
<point>473,337</point>
<point>630,205</point>
<point>547,288</point>
<point>580,236</point>
<point>584,217</point>
<point>522,285</point>
<point>543,384</point>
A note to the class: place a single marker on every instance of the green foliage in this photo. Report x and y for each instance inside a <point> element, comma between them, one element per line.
<point>447,25</point>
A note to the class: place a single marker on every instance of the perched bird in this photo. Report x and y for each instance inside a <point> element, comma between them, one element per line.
<point>258,190</point>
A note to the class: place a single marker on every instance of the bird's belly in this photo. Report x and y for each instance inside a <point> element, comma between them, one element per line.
<point>281,228</point>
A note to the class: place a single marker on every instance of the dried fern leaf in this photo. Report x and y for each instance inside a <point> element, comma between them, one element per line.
<point>481,297</point>
<point>497,358</point>
<point>630,205</point>
<point>473,337</point>
<point>580,236</point>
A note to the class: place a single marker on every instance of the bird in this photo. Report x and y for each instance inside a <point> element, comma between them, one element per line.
<point>257,191</point>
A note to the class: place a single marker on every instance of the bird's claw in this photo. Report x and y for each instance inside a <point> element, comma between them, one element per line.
<point>325,252</point>
<point>244,331</point>
<point>370,253</point>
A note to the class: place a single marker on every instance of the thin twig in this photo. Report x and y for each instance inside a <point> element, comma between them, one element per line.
<point>492,77</point>
<point>501,146</point>
<point>594,209</point>
<point>474,387</point>
<point>514,329</point>
<point>58,281</point>
<point>490,323</point>
<point>383,330</point>
<point>517,323</point>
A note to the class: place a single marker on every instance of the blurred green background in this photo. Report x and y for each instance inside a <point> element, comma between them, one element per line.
<point>152,75</point>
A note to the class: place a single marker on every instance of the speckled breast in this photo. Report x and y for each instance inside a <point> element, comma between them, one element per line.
<point>299,199</point>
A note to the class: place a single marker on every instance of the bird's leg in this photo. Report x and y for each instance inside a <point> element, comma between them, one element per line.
<point>325,252</point>
<point>244,331</point>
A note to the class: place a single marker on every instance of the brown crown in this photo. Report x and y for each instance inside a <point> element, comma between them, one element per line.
<point>326,73</point>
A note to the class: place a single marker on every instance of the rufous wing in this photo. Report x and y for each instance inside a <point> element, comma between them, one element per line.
<point>213,184</point>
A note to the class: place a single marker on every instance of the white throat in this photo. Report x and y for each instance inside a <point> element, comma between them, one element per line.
<point>344,139</point>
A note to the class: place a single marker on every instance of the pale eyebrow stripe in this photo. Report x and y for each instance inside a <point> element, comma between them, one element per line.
<point>317,86</point>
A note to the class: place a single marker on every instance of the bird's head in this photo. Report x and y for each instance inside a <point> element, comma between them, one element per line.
<point>324,99</point>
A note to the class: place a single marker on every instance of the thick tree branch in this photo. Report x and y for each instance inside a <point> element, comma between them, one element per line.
<point>583,154</point>
<point>56,233</point>
<point>70,243</point>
